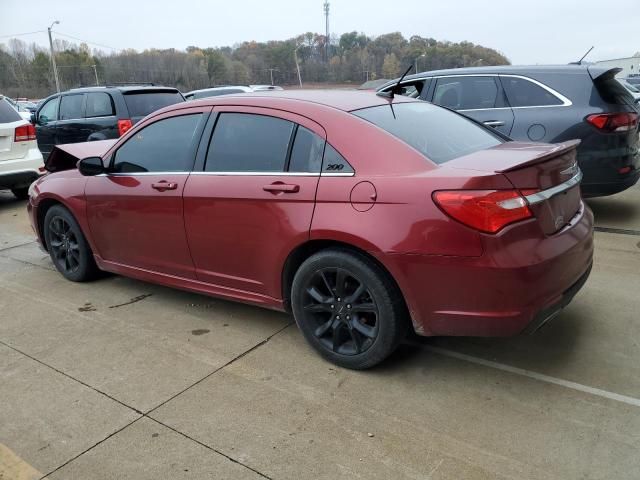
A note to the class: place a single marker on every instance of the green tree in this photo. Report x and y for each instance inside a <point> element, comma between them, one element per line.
<point>390,66</point>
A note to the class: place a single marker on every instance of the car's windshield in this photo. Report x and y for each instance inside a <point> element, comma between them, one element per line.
<point>437,133</point>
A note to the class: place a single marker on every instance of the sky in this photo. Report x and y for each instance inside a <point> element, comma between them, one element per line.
<point>531,32</point>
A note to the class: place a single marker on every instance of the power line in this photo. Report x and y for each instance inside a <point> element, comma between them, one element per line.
<point>85,41</point>
<point>22,34</point>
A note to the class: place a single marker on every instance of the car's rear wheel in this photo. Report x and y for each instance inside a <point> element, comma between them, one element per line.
<point>68,246</point>
<point>21,193</point>
<point>348,308</point>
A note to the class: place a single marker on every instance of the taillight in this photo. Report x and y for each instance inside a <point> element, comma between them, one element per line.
<point>124,126</point>
<point>485,210</point>
<point>614,122</point>
<point>24,133</point>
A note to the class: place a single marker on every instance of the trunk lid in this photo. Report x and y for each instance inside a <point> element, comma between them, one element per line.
<point>546,174</point>
<point>65,157</point>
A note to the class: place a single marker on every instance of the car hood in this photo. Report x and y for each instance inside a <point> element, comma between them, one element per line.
<point>65,157</point>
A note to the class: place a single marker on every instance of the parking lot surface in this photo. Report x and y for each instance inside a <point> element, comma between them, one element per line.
<point>121,379</point>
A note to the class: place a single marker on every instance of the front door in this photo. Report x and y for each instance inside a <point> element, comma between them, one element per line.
<point>476,96</point>
<point>46,123</point>
<point>253,201</point>
<point>136,210</point>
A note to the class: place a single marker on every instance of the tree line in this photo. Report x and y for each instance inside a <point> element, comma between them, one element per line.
<point>352,58</point>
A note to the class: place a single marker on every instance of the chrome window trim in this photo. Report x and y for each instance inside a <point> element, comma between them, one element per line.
<point>553,191</point>
<point>239,174</point>
<point>565,101</point>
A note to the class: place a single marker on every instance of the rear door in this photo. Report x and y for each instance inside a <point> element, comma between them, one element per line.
<point>136,210</point>
<point>253,200</point>
<point>46,126</point>
<point>475,96</point>
<point>72,127</point>
<point>100,116</point>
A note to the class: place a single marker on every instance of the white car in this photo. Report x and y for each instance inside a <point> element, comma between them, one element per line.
<point>20,160</point>
<point>228,90</point>
<point>633,89</point>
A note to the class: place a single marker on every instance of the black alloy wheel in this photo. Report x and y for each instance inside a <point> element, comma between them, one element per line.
<point>348,308</point>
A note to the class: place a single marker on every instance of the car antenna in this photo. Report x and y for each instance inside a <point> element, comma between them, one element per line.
<point>579,62</point>
<point>391,93</point>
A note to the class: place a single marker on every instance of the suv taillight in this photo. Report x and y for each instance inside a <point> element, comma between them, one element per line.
<point>485,210</point>
<point>124,126</point>
<point>24,133</point>
<point>614,122</point>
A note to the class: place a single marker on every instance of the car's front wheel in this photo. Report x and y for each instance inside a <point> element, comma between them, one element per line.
<point>68,246</point>
<point>348,308</point>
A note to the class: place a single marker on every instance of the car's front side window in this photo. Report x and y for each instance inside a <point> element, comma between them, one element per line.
<point>49,111</point>
<point>467,92</point>
<point>243,142</point>
<point>163,146</point>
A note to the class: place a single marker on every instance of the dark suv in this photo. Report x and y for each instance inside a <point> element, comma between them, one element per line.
<point>97,113</point>
<point>547,104</point>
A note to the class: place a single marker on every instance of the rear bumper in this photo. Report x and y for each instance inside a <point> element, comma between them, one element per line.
<point>519,281</point>
<point>617,185</point>
<point>21,172</point>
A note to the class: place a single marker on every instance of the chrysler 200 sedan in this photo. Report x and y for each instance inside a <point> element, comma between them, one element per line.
<point>364,216</point>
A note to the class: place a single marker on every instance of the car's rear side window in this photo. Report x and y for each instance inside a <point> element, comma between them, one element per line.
<point>524,93</point>
<point>8,114</point>
<point>99,104</point>
<point>243,142</point>
<point>141,104</point>
<point>306,154</point>
<point>439,134</point>
<point>162,146</point>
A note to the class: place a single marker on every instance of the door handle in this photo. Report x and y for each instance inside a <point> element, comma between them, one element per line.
<point>494,123</point>
<point>164,186</point>
<point>280,187</point>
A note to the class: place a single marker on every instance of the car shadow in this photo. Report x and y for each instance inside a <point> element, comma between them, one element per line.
<point>9,201</point>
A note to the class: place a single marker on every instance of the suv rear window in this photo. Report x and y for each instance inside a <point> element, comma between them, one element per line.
<point>437,133</point>
<point>141,104</point>
<point>613,91</point>
<point>8,114</point>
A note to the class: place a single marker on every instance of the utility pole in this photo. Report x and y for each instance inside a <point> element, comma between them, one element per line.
<point>327,38</point>
<point>53,57</point>
<point>295,56</point>
<point>95,70</point>
<point>271,70</point>
<point>423,55</point>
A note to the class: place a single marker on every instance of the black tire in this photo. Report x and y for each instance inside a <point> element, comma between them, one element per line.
<point>356,325</point>
<point>21,193</point>
<point>68,246</point>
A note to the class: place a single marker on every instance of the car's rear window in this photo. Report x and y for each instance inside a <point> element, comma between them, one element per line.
<point>613,91</point>
<point>8,114</point>
<point>141,104</point>
<point>437,133</point>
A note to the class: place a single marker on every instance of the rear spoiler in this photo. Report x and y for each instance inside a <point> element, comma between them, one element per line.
<point>65,157</point>
<point>545,153</point>
<point>602,73</point>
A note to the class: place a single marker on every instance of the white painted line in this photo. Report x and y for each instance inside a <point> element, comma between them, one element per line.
<point>537,376</point>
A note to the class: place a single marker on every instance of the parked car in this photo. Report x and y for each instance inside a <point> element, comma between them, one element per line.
<point>27,105</point>
<point>216,91</point>
<point>362,215</point>
<point>20,160</point>
<point>547,104</point>
<point>635,91</point>
<point>228,90</point>
<point>22,110</point>
<point>97,113</point>
<point>633,80</point>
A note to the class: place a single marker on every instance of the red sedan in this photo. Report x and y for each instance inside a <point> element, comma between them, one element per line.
<point>364,216</point>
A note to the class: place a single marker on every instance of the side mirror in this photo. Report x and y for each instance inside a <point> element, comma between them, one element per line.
<point>42,120</point>
<point>33,118</point>
<point>91,166</point>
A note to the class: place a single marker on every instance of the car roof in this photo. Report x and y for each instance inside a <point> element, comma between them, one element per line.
<point>122,88</point>
<point>498,69</point>
<point>346,100</point>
